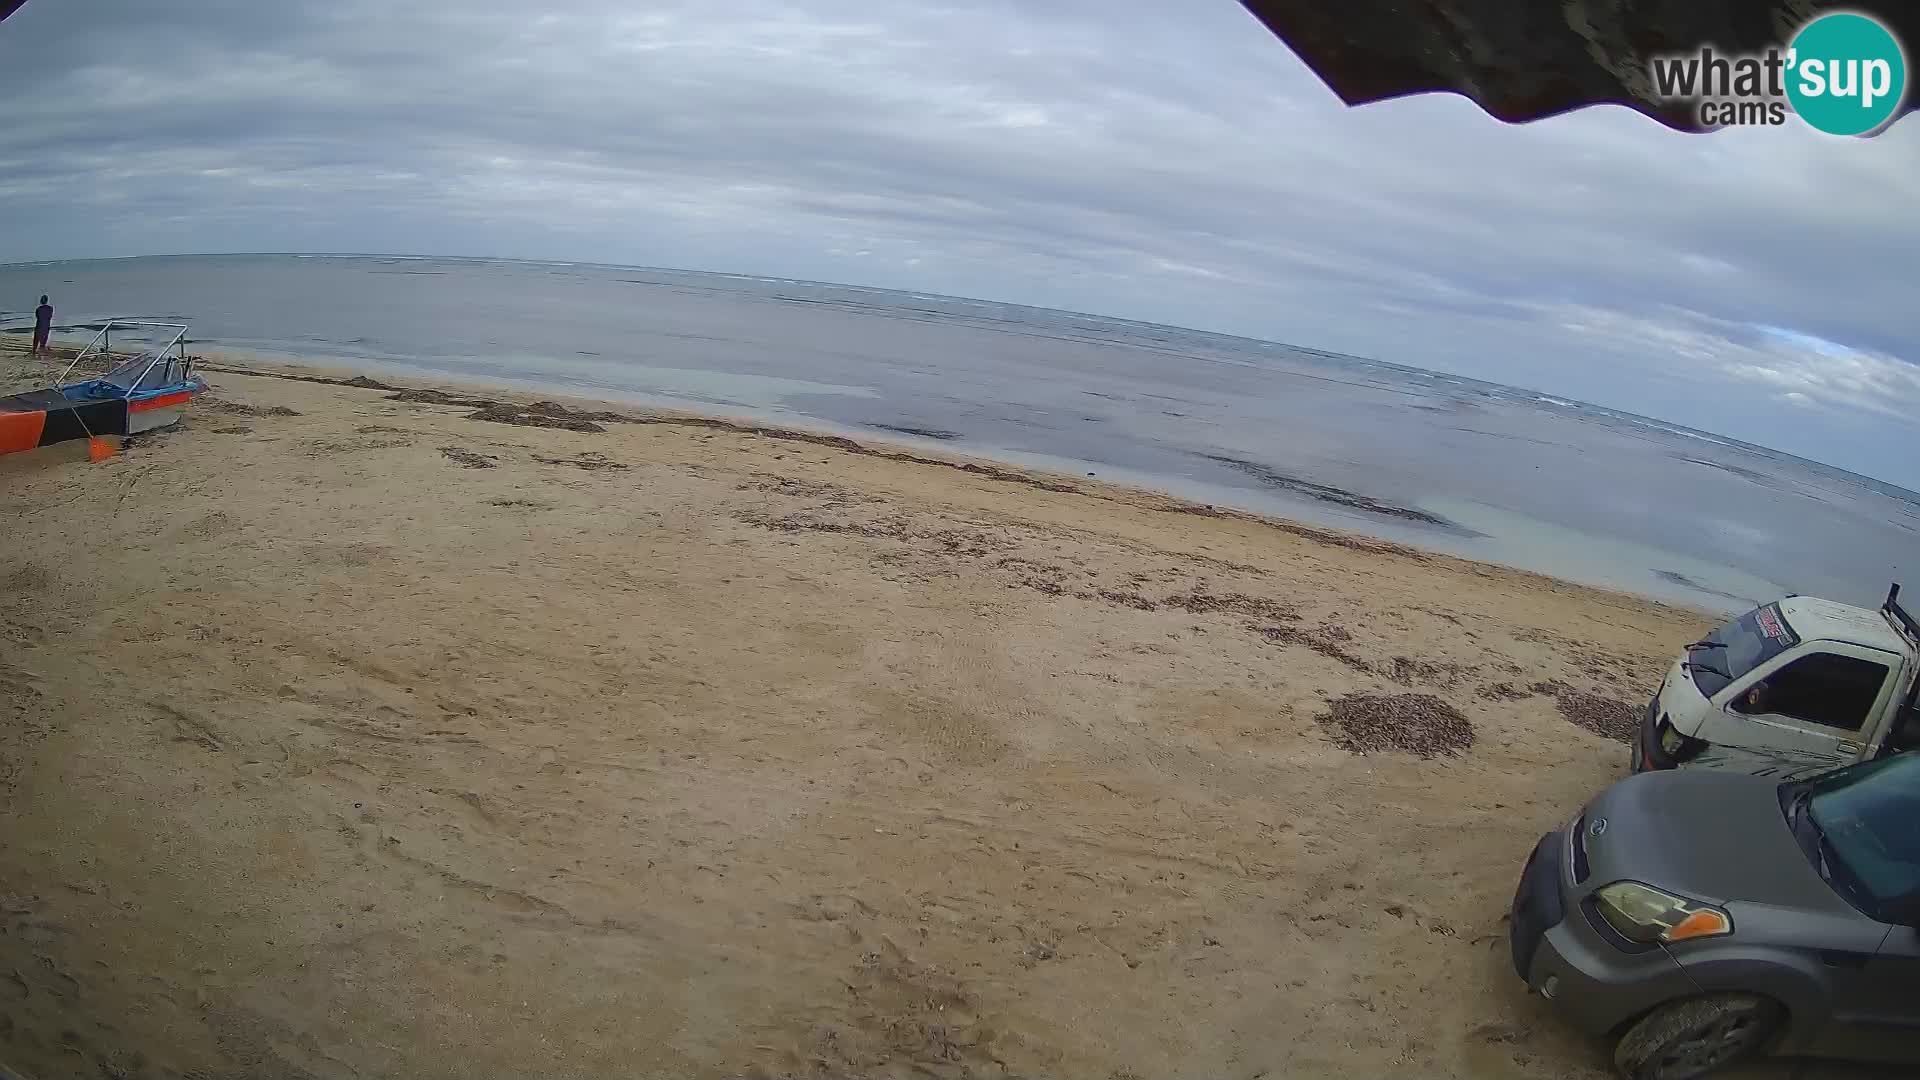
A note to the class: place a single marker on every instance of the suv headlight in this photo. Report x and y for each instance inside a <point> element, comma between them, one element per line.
<point>1647,915</point>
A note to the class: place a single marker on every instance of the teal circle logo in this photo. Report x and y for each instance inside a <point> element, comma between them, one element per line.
<point>1846,74</point>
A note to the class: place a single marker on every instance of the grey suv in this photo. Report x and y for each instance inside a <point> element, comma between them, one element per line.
<point>1703,917</point>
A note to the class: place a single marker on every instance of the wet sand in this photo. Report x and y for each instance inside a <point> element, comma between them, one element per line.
<point>451,734</point>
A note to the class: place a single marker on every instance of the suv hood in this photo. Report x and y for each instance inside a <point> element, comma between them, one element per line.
<point>1715,836</point>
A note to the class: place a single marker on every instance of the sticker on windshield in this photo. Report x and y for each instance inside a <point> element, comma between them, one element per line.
<point>1775,627</point>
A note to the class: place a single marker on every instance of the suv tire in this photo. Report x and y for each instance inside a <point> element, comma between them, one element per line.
<point>1695,1037</point>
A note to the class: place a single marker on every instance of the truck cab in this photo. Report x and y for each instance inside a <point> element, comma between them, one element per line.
<point>1802,679</point>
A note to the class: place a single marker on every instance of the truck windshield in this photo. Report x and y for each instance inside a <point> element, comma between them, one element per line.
<point>1739,647</point>
<point>1864,816</point>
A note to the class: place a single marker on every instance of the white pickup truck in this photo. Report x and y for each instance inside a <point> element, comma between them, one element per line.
<point>1803,683</point>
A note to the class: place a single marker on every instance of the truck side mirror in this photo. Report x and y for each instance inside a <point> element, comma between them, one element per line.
<point>1905,734</point>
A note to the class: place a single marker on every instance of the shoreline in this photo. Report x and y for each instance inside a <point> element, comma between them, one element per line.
<point>1478,528</point>
<point>1520,477</point>
<point>1515,542</point>
<point>438,732</point>
<point>482,393</point>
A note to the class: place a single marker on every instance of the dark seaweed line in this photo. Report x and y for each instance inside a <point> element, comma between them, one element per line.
<point>1323,493</point>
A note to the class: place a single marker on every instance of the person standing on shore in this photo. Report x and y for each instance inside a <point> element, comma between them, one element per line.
<point>42,327</point>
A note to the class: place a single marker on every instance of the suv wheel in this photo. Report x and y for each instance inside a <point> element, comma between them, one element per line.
<point>1685,1039</point>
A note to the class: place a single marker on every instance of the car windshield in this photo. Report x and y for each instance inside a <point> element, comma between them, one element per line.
<point>1867,818</point>
<point>1739,647</point>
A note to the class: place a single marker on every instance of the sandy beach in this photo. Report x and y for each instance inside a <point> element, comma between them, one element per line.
<point>354,732</point>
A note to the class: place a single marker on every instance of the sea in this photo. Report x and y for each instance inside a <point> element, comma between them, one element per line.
<point>1426,458</point>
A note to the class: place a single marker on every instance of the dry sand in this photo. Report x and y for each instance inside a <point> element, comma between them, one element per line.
<point>346,736</point>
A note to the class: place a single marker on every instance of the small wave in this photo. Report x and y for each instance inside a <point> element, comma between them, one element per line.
<point>1702,438</point>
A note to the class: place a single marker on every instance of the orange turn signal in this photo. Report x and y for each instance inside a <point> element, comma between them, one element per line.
<point>1703,923</point>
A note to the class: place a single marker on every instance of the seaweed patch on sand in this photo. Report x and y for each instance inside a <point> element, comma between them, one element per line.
<point>1417,724</point>
<point>241,408</point>
<point>467,459</point>
<point>589,461</point>
<point>1603,716</point>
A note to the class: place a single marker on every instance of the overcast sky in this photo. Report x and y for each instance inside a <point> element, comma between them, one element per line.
<point>1156,159</point>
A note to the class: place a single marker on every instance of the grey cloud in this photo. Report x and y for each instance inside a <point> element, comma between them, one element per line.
<point>1150,160</point>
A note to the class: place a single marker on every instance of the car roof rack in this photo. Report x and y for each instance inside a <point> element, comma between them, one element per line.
<point>1903,619</point>
<point>1901,616</point>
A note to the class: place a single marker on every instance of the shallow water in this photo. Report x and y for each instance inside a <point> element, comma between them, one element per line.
<point>1437,460</point>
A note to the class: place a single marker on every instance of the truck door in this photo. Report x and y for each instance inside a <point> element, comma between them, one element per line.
<point>1825,697</point>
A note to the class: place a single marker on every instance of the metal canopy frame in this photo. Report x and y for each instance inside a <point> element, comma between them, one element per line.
<point>102,345</point>
<point>1904,620</point>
